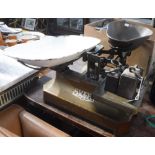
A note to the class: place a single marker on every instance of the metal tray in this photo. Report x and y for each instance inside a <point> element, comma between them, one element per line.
<point>51,51</point>
<point>126,35</point>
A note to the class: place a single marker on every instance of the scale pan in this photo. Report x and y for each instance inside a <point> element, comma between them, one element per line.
<point>51,51</point>
<point>127,35</point>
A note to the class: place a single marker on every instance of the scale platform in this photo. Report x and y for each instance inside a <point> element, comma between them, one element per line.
<point>72,93</point>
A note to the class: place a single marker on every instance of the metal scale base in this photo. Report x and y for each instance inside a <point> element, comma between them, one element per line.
<point>66,91</point>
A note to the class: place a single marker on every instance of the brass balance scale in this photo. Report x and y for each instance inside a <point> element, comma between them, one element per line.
<point>108,93</point>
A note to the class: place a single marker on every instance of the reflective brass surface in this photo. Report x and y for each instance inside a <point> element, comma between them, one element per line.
<point>59,92</point>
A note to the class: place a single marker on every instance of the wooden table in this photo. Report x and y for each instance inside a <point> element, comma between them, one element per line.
<point>35,98</point>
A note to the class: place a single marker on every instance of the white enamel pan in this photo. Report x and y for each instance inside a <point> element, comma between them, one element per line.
<point>51,51</point>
